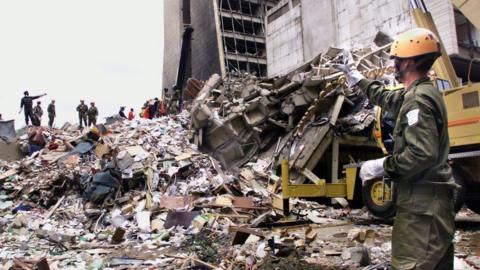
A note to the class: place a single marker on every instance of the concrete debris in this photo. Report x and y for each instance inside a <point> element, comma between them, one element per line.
<point>242,116</point>
<point>358,255</point>
<point>360,235</point>
<point>152,194</point>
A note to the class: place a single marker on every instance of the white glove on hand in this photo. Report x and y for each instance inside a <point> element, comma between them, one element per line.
<point>372,169</point>
<point>348,67</point>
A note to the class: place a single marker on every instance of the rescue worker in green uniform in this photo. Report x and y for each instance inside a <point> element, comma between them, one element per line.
<point>92,114</point>
<point>52,113</point>
<point>82,110</point>
<point>38,112</point>
<point>424,224</point>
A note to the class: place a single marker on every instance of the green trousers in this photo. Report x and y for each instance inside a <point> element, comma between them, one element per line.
<point>424,227</point>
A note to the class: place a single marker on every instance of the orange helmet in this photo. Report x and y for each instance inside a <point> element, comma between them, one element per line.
<point>415,42</point>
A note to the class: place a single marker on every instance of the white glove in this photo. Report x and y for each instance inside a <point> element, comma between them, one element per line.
<point>348,67</point>
<point>372,169</point>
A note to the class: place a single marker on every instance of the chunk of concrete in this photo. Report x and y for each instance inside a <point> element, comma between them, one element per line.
<point>381,39</point>
<point>357,255</point>
<point>256,113</point>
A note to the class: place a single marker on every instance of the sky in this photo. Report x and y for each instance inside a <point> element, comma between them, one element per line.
<point>107,51</point>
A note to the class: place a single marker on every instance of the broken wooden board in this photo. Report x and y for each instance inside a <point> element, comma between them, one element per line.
<point>183,219</point>
<point>243,233</point>
<point>175,203</point>
<point>183,156</point>
<point>7,174</point>
<point>101,150</point>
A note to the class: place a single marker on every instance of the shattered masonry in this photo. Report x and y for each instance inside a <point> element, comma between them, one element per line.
<point>140,194</point>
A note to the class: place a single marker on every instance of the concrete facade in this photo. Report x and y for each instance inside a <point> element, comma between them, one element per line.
<point>444,17</point>
<point>204,59</point>
<point>345,23</point>
<point>359,21</point>
<point>173,24</point>
<point>285,43</point>
<point>318,38</point>
<point>229,35</point>
<point>205,52</point>
<point>289,42</point>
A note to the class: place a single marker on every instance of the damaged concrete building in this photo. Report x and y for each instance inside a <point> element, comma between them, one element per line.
<point>293,30</point>
<point>229,35</point>
<point>303,116</point>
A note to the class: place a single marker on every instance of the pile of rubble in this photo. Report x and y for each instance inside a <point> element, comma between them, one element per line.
<point>242,116</point>
<point>140,194</point>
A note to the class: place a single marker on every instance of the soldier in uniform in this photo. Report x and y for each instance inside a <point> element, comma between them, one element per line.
<point>38,112</point>
<point>172,104</point>
<point>82,110</point>
<point>52,113</point>
<point>27,105</point>
<point>121,113</point>
<point>92,114</point>
<point>424,225</point>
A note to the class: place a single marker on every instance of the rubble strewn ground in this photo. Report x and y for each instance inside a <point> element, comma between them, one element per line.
<point>200,189</point>
<point>174,208</point>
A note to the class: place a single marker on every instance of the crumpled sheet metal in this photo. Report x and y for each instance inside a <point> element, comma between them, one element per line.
<point>7,130</point>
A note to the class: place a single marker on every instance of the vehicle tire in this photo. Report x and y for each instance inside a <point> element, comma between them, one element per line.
<point>372,198</point>
<point>458,194</point>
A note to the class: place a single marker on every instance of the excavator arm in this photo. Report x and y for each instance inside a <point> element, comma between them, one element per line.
<point>469,9</point>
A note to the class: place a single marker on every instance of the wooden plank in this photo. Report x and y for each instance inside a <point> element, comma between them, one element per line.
<point>54,208</point>
<point>318,138</point>
<point>319,151</point>
<point>310,175</point>
<point>335,150</point>
<point>312,143</point>
<point>336,110</point>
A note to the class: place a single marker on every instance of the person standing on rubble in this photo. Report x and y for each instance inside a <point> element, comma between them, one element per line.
<point>38,112</point>
<point>92,114</point>
<point>27,105</point>
<point>151,109</point>
<point>156,106</point>
<point>145,111</point>
<point>131,114</point>
<point>52,113</point>
<point>82,110</point>
<point>161,109</point>
<point>121,113</point>
<point>172,105</point>
<point>424,224</point>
